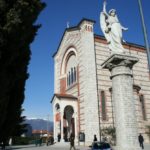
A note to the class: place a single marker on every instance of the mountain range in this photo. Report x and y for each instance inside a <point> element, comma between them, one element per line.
<point>40,124</point>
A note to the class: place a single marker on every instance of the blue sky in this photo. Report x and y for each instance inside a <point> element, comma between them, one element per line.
<point>40,85</point>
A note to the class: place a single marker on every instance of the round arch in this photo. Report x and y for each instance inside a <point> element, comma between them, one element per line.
<point>70,121</point>
<point>57,107</point>
<point>71,50</point>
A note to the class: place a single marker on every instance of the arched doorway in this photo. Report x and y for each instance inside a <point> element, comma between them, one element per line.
<point>65,116</point>
<point>69,122</point>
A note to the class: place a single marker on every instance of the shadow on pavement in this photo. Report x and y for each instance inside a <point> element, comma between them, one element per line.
<point>18,147</point>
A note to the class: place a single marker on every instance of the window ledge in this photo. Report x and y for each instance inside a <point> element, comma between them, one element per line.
<point>71,86</point>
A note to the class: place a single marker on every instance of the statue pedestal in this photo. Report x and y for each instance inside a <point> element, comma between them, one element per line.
<point>120,67</point>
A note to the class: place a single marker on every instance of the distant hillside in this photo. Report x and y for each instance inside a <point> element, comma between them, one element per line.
<point>40,124</point>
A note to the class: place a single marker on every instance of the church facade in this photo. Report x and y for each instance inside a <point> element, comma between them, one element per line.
<point>82,101</point>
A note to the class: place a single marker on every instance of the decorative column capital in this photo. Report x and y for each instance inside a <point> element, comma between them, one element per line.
<point>116,60</point>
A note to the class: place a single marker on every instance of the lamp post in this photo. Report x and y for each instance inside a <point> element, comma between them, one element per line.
<point>145,33</point>
<point>47,125</point>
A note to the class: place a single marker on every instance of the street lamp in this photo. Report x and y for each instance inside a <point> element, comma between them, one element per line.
<point>145,33</point>
<point>47,125</point>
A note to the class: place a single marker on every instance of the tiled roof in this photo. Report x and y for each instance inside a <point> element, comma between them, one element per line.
<point>68,96</point>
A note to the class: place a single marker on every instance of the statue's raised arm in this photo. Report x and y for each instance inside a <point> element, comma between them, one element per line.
<point>104,8</point>
<point>112,29</point>
<point>103,23</point>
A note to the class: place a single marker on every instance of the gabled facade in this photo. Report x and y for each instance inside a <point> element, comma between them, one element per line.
<point>82,100</point>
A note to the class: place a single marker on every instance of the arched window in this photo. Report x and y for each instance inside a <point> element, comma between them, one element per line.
<point>143,106</point>
<point>69,78</point>
<point>57,107</point>
<point>71,75</point>
<point>103,105</point>
<point>71,64</point>
<point>74,74</point>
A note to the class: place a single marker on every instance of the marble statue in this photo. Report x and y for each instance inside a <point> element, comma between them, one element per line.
<point>112,29</point>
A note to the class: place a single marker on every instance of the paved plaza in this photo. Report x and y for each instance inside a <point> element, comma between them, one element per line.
<point>57,146</point>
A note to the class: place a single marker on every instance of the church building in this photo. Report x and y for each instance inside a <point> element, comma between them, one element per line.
<point>82,100</point>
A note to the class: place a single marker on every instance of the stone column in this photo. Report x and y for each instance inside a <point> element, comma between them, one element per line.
<point>62,126</point>
<point>75,126</point>
<point>120,67</point>
<point>54,128</point>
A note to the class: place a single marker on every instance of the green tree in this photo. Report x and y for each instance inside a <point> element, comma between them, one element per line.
<point>148,131</point>
<point>109,132</point>
<point>17,32</point>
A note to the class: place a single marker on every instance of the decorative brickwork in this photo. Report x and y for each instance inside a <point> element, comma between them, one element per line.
<point>63,86</point>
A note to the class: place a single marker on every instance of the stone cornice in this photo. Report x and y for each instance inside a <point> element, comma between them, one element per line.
<point>119,60</point>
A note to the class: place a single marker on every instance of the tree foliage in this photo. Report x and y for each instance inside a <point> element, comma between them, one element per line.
<point>109,133</point>
<point>148,131</point>
<point>17,31</point>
